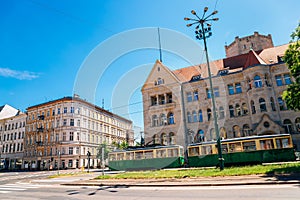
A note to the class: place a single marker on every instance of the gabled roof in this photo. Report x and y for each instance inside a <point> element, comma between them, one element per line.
<point>253,59</point>
<point>270,55</point>
<point>8,111</point>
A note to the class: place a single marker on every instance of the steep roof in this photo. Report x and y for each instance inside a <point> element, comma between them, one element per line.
<point>270,55</point>
<point>8,111</point>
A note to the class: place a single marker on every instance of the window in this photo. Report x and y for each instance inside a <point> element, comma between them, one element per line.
<point>64,136</point>
<point>196,95</point>
<point>272,104</point>
<point>230,89</point>
<point>161,99</point>
<point>222,113</point>
<point>169,98</point>
<point>53,112</point>
<point>172,138</point>
<point>65,109</point>
<point>236,131</point>
<point>163,120</point>
<point>216,92</point>
<point>163,139</point>
<point>262,105</point>
<point>287,124</point>
<point>238,88</point>
<point>278,80</point>
<point>287,79</point>
<point>70,150</point>
<point>160,81</point>
<point>195,119</point>
<point>78,122</point>
<point>208,114</point>
<point>281,104</point>
<point>171,118</point>
<point>65,122</point>
<point>238,110</point>
<point>153,101</point>
<point>72,110</point>
<point>200,116</point>
<point>257,81</point>
<point>231,111</point>
<point>208,93</point>
<point>246,130</point>
<point>189,97</point>
<point>297,124</point>
<point>253,107</point>
<point>58,111</point>
<point>154,120</point>
<point>56,137</point>
<point>71,137</point>
<point>71,122</point>
<point>245,109</point>
<point>189,117</point>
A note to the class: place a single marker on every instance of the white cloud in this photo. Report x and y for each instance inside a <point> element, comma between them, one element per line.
<point>21,75</point>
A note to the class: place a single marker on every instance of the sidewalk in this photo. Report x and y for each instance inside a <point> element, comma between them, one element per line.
<point>201,181</point>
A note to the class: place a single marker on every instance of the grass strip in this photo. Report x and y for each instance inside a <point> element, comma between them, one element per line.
<point>286,168</point>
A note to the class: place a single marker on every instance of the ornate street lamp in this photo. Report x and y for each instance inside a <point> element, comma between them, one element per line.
<point>203,31</point>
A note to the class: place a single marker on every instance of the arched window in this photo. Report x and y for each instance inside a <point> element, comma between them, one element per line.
<point>281,104</point>
<point>189,117</point>
<point>222,113</point>
<point>272,104</point>
<point>297,124</point>
<point>200,116</point>
<point>160,81</point>
<point>195,119</point>
<point>253,107</point>
<point>172,138</point>
<point>246,130</point>
<point>231,111</point>
<point>154,120</point>
<point>199,137</point>
<point>164,139</point>
<point>287,124</point>
<point>163,120</point>
<point>262,105</point>
<point>257,82</point>
<point>245,109</point>
<point>223,133</point>
<point>238,110</point>
<point>208,114</point>
<point>236,131</point>
<point>171,118</point>
<point>155,139</point>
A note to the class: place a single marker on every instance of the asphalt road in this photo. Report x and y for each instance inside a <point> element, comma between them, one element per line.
<point>35,185</point>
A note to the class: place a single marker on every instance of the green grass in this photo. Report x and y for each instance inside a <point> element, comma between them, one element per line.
<point>67,174</point>
<point>198,172</point>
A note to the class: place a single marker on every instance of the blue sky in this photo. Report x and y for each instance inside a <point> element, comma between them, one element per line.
<point>44,44</point>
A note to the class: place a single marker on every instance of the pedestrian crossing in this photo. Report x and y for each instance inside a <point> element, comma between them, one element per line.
<point>17,187</point>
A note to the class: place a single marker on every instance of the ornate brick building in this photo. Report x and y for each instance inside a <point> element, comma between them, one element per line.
<point>247,86</point>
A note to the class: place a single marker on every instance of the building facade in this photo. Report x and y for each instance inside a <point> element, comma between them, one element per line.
<point>247,87</point>
<point>60,133</point>
<point>12,131</point>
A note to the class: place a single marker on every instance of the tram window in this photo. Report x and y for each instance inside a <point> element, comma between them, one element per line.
<point>206,150</point>
<point>148,154</point>
<point>249,146</point>
<point>224,148</point>
<point>129,156</point>
<point>235,147</point>
<point>172,152</point>
<point>266,144</point>
<point>193,151</point>
<point>282,143</point>
<point>161,153</point>
<point>112,157</point>
<point>120,156</point>
<point>138,155</point>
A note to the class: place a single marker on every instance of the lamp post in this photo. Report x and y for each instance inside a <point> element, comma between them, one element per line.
<point>203,33</point>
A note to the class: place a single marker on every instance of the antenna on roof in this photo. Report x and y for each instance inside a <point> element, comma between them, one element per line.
<point>103,103</point>
<point>159,43</point>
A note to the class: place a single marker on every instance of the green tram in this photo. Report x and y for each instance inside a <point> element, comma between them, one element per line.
<point>244,150</point>
<point>147,158</point>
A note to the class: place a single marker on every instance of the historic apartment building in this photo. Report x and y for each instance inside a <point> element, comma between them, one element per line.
<point>61,132</point>
<point>247,85</point>
<point>12,131</point>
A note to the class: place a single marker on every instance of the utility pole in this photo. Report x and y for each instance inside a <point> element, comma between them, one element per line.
<point>204,33</point>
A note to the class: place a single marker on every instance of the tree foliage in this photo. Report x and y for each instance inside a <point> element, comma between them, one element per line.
<point>106,151</point>
<point>292,59</point>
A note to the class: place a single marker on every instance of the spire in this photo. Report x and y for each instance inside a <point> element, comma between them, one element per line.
<point>159,44</point>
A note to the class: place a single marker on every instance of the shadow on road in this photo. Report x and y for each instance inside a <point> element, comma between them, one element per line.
<point>101,188</point>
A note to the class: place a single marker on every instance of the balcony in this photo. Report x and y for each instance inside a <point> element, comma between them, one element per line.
<point>41,117</point>
<point>40,129</point>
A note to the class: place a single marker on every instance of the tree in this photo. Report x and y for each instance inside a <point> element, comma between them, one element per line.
<point>123,145</point>
<point>292,59</point>
<point>106,151</point>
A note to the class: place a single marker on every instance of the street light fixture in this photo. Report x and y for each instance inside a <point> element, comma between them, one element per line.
<point>203,33</point>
